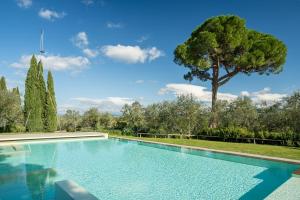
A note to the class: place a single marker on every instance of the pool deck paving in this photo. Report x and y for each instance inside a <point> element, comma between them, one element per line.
<point>289,190</point>
<point>291,161</point>
<point>4,138</point>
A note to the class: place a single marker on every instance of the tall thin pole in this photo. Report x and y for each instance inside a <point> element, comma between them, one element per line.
<point>42,50</point>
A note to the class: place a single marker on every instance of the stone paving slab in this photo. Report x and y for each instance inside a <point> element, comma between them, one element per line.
<point>217,151</point>
<point>290,190</point>
<point>41,136</point>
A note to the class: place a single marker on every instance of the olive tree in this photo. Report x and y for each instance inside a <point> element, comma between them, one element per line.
<point>11,114</point>
<point>133,115</point>
<point>223,47</point>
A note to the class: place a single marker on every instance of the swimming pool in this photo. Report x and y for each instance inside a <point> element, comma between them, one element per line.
<point>121,169</point>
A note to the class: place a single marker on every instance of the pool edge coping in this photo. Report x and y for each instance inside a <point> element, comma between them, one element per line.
<point>256,156</point>
<point>34,137</point>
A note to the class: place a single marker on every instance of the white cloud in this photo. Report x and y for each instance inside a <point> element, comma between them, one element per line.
<point>139,81</point>
<point>93,2</point>
<point>202,94</point>
<point>114,25</point>
<point>245,94</point>
<point>56,63</point>
<point>154,53</point>
<point>61,109</point>
<point>142,39</point>
<point>50,14</point>
<point>109,104</point>
<point>131,54</point>
<point>90,52</point>
<point>264,95</point>
<point>80,40</point>
<point>199,92</point>
<point>88,2</point>
<point>24,3</point>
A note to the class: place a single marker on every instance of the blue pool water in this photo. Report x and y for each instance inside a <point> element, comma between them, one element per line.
<point>120,169</point>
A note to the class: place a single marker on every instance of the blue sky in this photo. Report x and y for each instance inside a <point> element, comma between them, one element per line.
<point>106,53</point>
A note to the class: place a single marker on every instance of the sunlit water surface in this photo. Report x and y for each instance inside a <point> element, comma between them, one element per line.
<point>122,170</point>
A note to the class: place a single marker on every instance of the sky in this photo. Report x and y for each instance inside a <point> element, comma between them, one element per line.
<point>106,53</point>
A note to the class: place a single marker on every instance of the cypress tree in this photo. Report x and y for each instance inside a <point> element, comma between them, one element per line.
<point>42,91</point>
<point>51,110</point>
<point>3,84</point>
<point>33,107</point>
<point>16,92</point>
<point>19,122</point>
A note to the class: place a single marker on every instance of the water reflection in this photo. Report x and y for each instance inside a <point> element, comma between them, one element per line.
<point>28,174</point>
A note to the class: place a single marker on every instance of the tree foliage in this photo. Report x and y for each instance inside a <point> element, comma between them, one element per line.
<point>91,118</point>
<point>41,86</point>
<point>222,47</point>
<point>11,114</point>
<point>134,116</point>
<point>33,105</point>
<point>3,84</point>
<point>51,108</point>
<point>70,120</point>
<point>39,101</point>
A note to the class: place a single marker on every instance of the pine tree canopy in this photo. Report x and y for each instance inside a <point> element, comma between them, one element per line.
<point>223,47</point>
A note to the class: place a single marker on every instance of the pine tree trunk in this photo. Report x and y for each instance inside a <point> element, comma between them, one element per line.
<point>215,86</point>
<point>214,116</point>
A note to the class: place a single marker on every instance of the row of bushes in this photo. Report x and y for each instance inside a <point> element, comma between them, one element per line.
<point>236,133</point>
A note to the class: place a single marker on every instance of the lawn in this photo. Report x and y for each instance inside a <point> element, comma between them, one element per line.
<point>267,150</point>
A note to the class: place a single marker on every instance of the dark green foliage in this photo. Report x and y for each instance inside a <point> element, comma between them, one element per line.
<point>39,104</point>
<point>3,84</point>
<point>222,47</point>
<point>91,118</point>
<point>241,120</point>
<point>51,110</point>
<point>42,91</point>
<point>50,114</point>
<point>50,85</point>
<point>16,92</point>
<point>240,113</point>
<point>33,105</point>
<point>181,116</point>
<point>70,121</point>
<point>106,120</point>
<point>11,116</point>
<point>134,116</point>
<point>227,41</point>
<point>228,132</point>
<point>292,112</point>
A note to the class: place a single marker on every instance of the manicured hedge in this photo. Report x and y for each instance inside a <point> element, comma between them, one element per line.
<point>286,138</point>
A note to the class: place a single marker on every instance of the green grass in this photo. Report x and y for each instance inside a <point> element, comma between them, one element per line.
<point>267,150</point>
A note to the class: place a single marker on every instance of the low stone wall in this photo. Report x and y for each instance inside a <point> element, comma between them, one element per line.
<point>69,190</point>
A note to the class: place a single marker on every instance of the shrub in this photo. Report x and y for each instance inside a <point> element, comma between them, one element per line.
<point>127,131</point>
<point>17,128</point>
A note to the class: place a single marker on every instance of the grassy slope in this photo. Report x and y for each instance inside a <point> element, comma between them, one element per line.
<point>267,150</point>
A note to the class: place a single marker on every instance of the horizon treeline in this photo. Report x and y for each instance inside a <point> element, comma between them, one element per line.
<point>39,111</point>
<point>241,118</point>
